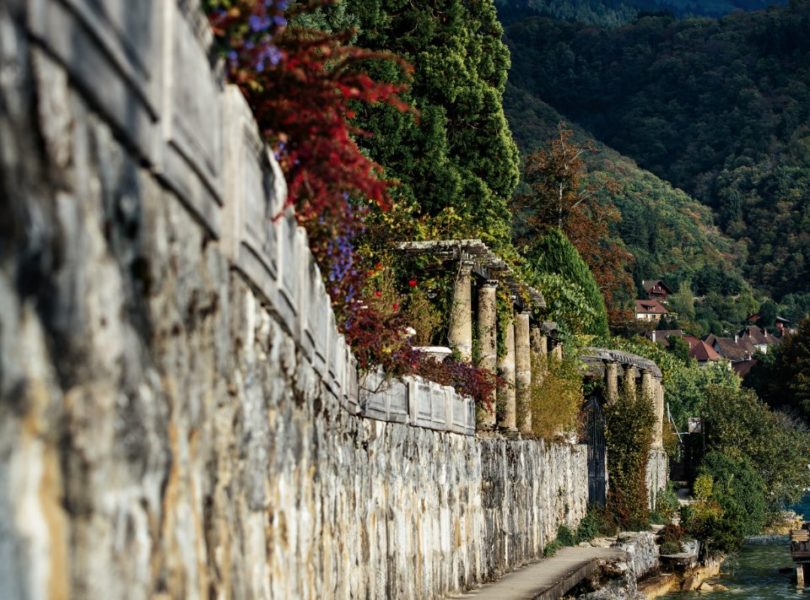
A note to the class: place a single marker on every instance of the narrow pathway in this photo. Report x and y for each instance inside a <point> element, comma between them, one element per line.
<point>548,579</point>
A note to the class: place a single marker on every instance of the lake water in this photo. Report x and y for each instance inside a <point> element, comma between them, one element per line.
<point>754,573</point>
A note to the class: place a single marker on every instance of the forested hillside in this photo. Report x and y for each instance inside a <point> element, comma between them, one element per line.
<point>669,233</point>
<point>719,108</point>
<point>612,13</point>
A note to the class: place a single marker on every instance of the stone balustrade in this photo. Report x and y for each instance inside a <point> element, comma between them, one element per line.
<point>416,401</point>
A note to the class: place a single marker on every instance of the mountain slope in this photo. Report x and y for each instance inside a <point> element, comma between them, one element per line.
<point>669,233</point>
<point>612,13</point>
<point>720,108</point>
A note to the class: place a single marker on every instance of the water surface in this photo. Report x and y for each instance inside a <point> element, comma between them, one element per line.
<point>754,574</point>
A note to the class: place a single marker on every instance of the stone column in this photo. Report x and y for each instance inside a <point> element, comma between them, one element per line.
<point>488,343</point>
<point>647,385</point>
<point>523,373</point>
<point>460,330</point>
<point>649,392</point>
<point>539,342</point>
<point>658,399</point>
<point>612,377</point>
<point>506,390</point>
<point>630,375</point>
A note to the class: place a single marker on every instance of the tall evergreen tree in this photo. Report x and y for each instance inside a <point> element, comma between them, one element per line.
<point>557,196</point>
<point>554,254</point>
<point>458,153</point>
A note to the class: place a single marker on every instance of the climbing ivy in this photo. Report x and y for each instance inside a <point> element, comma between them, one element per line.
<point>629,431</point>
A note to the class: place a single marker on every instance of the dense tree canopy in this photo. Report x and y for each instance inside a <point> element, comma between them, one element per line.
<point>458,153</point>
<point>619,12</point>
<point>570,288</point>
<point>669,234</point>
<point>782,378</point>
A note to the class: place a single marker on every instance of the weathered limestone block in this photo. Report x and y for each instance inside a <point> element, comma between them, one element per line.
<point>250,184</point>
<point>124,53</point>
<point>288,257</point>
<point>191,118</point>
<point>460,329</point>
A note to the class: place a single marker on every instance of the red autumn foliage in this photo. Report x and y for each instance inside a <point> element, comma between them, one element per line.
<point>302,85</point>
<point>560,198</point>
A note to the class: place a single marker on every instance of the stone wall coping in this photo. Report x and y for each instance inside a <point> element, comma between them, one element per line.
<point>596,358</point>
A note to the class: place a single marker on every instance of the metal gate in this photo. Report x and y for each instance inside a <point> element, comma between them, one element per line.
<point>597,452</point>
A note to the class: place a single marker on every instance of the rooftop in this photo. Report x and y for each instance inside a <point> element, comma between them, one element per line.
<point>650,307</point>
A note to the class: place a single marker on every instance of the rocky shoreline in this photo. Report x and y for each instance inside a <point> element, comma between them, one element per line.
<point>644,574</point>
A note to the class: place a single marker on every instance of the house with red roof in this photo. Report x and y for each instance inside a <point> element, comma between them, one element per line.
<point>650,310</point>
<point>702,352</point>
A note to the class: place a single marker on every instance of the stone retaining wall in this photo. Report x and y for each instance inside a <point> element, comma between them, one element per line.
<point>179,416</point>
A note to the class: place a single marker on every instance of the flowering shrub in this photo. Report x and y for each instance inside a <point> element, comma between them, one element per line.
<point>304,87</point>
<point>301,85</point>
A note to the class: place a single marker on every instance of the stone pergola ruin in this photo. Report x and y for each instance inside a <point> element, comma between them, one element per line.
<point>640,375</point>
<point>523,335</point>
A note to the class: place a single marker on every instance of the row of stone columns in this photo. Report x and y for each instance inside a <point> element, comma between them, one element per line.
<point>651,388</point>
<point>514,367</point>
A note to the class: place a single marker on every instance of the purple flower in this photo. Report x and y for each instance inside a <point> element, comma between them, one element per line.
<point>268,53</point>
<point>259,23</point>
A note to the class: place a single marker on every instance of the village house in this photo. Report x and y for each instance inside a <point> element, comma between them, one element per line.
<point>759,338</point>
<point>741,350</point>
<point>702,352</point>
<point>650,310</point>
<point>661,336</point>
<point>656,289</point>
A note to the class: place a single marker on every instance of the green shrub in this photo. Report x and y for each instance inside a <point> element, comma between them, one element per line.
<point>565,536</point>
<point>556,396</point>
<point>666,506</point>
<point>593,524</point>
<point>670,548</point>
<point>552,548</point>
<point>730,503</point>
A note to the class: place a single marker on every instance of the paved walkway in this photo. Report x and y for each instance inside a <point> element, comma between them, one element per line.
<point>548,579</point>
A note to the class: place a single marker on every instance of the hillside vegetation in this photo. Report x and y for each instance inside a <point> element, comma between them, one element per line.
<point>719,108</point>
<point>612,13</point>
<point>669,233</point>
